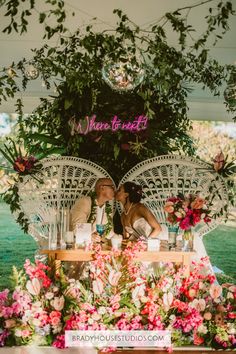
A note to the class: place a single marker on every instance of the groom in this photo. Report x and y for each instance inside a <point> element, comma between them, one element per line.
<point>95,209</point>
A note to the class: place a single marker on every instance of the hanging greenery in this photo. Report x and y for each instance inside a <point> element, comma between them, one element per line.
<point>80,67</point>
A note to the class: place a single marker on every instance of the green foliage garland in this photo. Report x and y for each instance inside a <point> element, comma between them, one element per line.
<point>74,68</point>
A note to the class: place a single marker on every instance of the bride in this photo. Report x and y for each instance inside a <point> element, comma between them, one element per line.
<point>137,220</point>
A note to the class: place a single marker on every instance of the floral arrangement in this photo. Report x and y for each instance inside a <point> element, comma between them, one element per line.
<point>222,166</point>
<point>118,293</point>
<point>187,211</point>
<point>18,164</point>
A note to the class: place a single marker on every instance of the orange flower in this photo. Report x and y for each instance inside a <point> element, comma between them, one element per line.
<point>198,203</point>
<point>197,340</point>
<point>168,207</point>
<point>20,166</point>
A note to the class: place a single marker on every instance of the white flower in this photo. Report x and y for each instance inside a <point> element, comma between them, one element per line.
<point>90,321</point>
<point>18,332</point>
<point>58,303</point>
<point>167,300</point>
<point>33,286</point>
<point>96,316</point>
<point>231,329</point>
<point>36,322</point>
<point>199,305</point>
<point>57,329</point>
<point>138,292</point>
<point>49,295</point>
<point>167,286</point>
<point>202,329</point>
<point>172,317</point>
<point>98,286</point>
<point>102,310</point>
<point>229,296</point>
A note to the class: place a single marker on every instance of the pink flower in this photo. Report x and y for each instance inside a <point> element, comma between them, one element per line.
<point>199,305</point>
<point>59,342</point>
<point>98,286</point>
<point>215,291</point>
<point>3,296</point>
<point>185,223</point>
<point>10,323</point>
<point>25,333</point>
<point>207,316</point>
<point>114,277</point>
<point>231,315</point>
<point>115,306</point>
<point>55,318</point>
<point>138,292</point>
<point>58,303</point>
<point>33,286</point>
<point>114,299</point>
<point>6,311</point>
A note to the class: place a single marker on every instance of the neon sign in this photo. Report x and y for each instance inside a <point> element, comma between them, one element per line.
<point>90,124</point>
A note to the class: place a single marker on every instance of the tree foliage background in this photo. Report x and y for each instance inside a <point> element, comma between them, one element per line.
<point>75,66</point>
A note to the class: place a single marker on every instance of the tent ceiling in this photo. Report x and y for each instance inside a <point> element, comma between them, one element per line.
<point>203,106</point>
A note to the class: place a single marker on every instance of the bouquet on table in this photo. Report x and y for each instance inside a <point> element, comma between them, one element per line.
<point>187,212</point>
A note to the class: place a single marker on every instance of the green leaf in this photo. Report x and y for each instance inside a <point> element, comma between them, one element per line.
<point>68,103</point>
<point>116,151</point>
<point>46,139</point>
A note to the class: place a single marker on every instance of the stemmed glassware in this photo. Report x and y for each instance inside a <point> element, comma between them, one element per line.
<point>100,228</point>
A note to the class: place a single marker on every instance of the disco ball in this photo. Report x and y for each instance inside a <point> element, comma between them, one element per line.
<point>122,76</point>
<point>31,72</point>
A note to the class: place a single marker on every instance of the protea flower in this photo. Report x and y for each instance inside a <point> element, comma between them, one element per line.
<point>219,161</point>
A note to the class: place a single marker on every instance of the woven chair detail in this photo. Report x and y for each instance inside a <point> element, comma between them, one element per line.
<point>169,175</point>
<point>60,182</point>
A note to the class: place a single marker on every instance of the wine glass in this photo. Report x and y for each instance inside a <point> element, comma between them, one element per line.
<point>100,228</point>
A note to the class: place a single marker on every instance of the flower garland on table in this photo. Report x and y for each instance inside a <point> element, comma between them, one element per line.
<point>118,293</point>
<point>108,211</point>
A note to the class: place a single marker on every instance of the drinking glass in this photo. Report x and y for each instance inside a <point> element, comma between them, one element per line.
<point>100,228</point>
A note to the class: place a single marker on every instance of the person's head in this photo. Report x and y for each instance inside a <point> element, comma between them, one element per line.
<point>129,191</point>
<point>105,189</point>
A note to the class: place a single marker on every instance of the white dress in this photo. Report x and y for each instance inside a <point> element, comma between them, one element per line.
<point>139,230</point>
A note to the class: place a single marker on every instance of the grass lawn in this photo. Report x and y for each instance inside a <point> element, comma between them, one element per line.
<point>16,246</point>
<point>221,247</point>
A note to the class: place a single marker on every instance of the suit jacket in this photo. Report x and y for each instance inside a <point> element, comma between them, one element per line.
<point>81,211</point>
